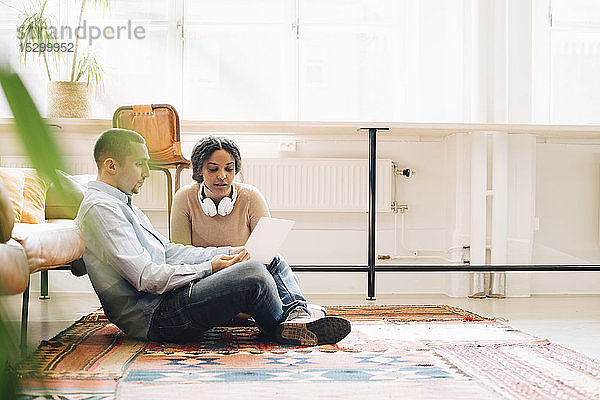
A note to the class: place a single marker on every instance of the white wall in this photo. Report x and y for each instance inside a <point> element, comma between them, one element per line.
<point>568,184</point>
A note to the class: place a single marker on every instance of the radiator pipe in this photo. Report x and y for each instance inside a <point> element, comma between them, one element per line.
<point>397,256</point>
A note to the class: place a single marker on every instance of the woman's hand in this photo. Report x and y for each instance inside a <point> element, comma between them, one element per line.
<point>223,261</point>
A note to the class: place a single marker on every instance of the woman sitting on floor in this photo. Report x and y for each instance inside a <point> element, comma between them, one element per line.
<point>216,211</point>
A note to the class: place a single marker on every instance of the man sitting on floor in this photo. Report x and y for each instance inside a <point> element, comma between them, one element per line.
<point>152,288</point>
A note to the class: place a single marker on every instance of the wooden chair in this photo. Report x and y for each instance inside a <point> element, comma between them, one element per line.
<point>159,125</point>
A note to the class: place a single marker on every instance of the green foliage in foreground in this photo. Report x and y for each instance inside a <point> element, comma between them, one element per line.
<point>43,151</point>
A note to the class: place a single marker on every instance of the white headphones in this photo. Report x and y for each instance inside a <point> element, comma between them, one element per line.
<point>225,205</point>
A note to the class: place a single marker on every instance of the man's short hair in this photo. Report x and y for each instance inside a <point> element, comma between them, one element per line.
<point>115,143</point>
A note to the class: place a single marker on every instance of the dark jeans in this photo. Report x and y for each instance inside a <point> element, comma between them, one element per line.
<point>267,293</point>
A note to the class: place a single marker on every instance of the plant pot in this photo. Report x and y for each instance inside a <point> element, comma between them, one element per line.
<point>68,99</point>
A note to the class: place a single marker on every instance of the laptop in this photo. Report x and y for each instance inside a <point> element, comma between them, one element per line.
<point>267,237</point>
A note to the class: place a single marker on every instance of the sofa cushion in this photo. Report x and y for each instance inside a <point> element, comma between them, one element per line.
<point>7,215</point>
<point>14,271</point>
<point>65,206</point>
<point>50,245</point>
<point>13,180</point>
<point>34,197</point>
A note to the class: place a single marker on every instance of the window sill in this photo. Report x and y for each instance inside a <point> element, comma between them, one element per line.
<point>426,131</point>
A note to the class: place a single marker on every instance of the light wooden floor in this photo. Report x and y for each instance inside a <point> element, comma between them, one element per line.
<point>572,321</point>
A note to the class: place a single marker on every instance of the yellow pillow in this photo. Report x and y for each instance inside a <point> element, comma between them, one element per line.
<point>34,195</point>
<point>13,180</point>
<point>65,206</point>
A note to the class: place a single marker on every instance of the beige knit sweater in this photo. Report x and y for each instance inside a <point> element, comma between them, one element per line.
<point>190,225</point>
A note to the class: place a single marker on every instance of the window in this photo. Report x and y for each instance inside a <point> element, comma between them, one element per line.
<point>239,60</point>
<point>575,62</point>
<point>324,60</point>
<point>137,71</point>
<point>380,60</point>
<point>33,74</point>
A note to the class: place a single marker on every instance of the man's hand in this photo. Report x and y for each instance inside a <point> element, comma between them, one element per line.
<point>236,250</point>
<point>223,261</point>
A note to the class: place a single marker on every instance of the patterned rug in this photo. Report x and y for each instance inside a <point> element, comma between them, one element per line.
<point>431,351</point>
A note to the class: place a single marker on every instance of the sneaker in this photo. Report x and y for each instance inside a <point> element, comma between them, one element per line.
<point>317,311</point>
<point>302,329</point>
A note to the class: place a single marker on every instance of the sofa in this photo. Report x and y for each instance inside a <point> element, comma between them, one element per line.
<point>38,233</point>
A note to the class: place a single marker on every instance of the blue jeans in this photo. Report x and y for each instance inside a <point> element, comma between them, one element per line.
<point>267,293</point>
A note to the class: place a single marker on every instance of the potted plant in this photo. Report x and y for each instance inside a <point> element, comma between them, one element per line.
<point>66,98</point>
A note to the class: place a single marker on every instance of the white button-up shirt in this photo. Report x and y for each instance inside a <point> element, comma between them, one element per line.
<point>129,263</point>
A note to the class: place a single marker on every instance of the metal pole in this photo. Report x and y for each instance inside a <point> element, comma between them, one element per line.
<point>24,320</point>
<point>44,285</point>
<point>449,268</point>
<point>372,214</point>
<point>372,211</point>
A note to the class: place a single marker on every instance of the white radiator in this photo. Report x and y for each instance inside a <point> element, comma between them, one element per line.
<point>74,164</point>
<point>309,184</point>
<point>288,184</point>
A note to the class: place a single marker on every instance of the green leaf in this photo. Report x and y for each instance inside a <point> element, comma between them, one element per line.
<point>9,382</point>
<point>45,156</point>
<point>90,68</point>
